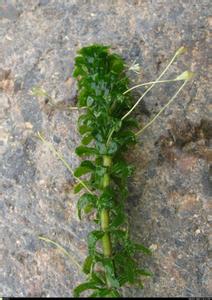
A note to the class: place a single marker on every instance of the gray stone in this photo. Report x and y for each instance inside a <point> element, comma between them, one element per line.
<point>168,206</point>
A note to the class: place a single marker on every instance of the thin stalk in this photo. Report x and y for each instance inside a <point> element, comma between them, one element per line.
<point>150,82</point>
<point>160,112</point>
<point>109,137</point>
<point>152,85</point>
<point>180,51</point>
<point>104,215</point>
<point>59,155</point>
<point>76,107</point>
<point>61,249</point>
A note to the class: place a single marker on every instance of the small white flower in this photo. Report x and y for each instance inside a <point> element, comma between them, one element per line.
<point>135,68</point>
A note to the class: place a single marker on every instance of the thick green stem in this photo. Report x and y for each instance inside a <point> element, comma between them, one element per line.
<point>106,242</point>
<point>107,161</point>
<point>105,218</point>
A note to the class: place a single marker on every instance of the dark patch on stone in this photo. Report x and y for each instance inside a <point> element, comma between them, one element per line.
<point>207,181</point>
<point>33,244</point>
<point>9,11</point>
<point>17,165</point>
<point>165,212</point>
<point>179,243</point>
<point>31,111</point>
<point>17,85</point>
<point>206,127</point>
<point>30,145</point>
<point>185,137</point>
<point>4,74</point>
<point>43,2</point>
<point>56,139</point>
<point>133,197</point>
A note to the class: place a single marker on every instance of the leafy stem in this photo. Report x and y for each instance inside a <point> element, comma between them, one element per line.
<point>107,132</point>
<point>101,84</point>
<point>105,218</point>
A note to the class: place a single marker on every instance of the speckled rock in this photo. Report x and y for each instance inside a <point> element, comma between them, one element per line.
<point>169,208</point>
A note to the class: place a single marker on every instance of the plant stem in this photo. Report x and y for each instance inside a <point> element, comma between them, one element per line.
<point>151,86</point>
<point>59,155</point>
<point>180,51</point>
<point>107,161</point>
<point>106,242</point>
<point>61,249</point>
<point>150,82</point>
<point>105,218</point>
<point>160,112</point>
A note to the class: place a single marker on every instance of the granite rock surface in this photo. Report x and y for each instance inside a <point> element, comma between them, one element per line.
<point>169,208</point>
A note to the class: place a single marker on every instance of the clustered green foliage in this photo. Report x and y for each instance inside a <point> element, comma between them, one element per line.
<point>107,131</point>
<point>106,137</point>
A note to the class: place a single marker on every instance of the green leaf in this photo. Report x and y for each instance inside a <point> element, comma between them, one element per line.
<point>81,171</point>
<point>83,120</point>
<point>130,123</point>
<point>101,148</point>
<point>120,234</point>
<point>87,139</point>
<point>122,169</point>
<point>119,218</point>
<point>90,285</point>
<point>100,171</point>
<point>93,237</point>
<point>117,125</point>
<point>114,294</point>
<point>144,272</point>
<point>85,167</point>
<point>90,101</point>
<point>88,208</point>
<point>83,150</point>
<point>117,64</point>
<point>84,128</point>
<point>85,200</point>
<point>101,293</point>
<point>106,200</point>
<point>112,148</point>
<point>87,264</point>
<point>99,175</point>
<point>142,248</point>
<point>110,273</point>
<point>98,277</point>
<point>126,268</point>
<point>88,164</point>
<point>125,138</point>
<point>78,187</point>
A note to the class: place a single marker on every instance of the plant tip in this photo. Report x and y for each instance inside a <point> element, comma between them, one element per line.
<point>181,51</point>
<point>187,75</point>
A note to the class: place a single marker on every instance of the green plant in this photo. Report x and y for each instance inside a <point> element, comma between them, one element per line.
<point>108,131</point>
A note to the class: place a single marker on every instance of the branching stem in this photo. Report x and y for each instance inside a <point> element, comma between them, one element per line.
<point>179,52</point>
<point>150,82</point>
<point>59,155</point>
<point>152,85</point>
<point>160,112</point>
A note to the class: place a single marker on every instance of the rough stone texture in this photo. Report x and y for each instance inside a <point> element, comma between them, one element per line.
<point>169,206</point>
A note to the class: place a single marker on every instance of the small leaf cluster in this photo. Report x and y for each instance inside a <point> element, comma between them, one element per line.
<point>102,80</point>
